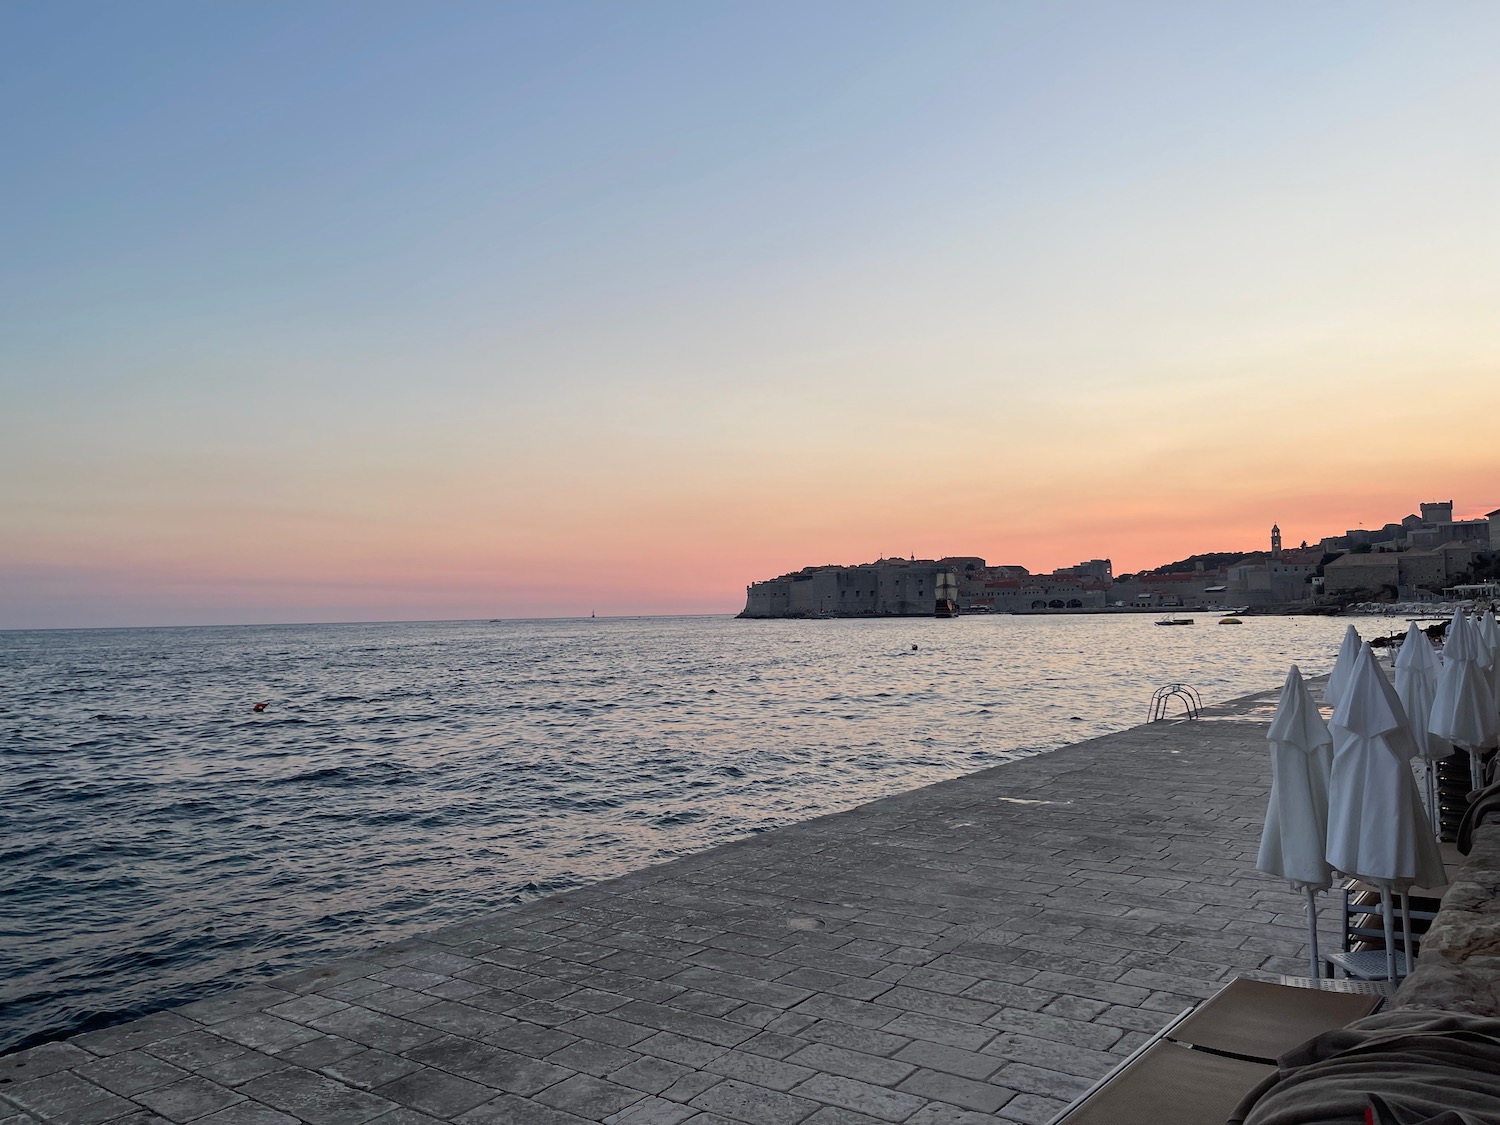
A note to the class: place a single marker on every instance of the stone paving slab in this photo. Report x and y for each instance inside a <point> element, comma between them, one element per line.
<point>977,950</point>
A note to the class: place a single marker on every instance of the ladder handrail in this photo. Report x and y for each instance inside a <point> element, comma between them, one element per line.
<point>1192,705</point>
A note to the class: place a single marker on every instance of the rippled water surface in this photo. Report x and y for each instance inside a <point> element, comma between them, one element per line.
<point>159,840</point>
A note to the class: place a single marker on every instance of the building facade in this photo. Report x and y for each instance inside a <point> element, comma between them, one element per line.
<point>1040,593</point>
<point>911,588</point>
<point>1374,573</point>
<point>884,588</point>
<point>1102,569</point>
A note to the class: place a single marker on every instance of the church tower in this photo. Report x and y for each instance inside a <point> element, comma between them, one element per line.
<point>1275,542</point>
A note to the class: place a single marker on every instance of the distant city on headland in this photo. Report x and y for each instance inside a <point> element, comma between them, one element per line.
<point>1424,557</point>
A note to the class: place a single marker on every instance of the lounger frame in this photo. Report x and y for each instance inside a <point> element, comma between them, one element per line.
<point>1250,1066</point>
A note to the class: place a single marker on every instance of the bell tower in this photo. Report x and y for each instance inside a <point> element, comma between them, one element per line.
<point>1275,542</point>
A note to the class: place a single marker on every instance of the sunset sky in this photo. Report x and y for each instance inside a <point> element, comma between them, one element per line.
<point>335,311</point>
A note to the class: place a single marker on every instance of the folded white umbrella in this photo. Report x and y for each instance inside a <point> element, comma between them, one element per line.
<point>1343,665</point>
<point>1378,831</point>
<point>1296,830</point>
<point>1484,629</point>
<point>1416,684</point>
<point>1463,710</point>
<point>1489,635</point>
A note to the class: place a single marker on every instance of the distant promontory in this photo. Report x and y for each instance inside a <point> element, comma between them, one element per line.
<point>1421,557</point>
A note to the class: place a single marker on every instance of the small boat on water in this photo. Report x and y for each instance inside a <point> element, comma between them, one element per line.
<point>1230,621</point>
<point>1175,621</point>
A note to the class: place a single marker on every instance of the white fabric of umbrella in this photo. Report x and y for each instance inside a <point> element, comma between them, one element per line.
<point>1378,831</point>
<point>1343,665</point>
<point>1463,710</point>
<point>1417,670</point>
<point>1296,830</point>
<point>1484,630</point>
<point>1489,635</point>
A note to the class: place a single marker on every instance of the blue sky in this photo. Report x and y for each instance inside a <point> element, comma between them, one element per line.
<point>379,274</point>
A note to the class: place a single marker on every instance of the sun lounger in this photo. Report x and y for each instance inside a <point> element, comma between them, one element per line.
<point>1197,1068</point>
<point>1260,1020</point>
<point>1168,1084</point>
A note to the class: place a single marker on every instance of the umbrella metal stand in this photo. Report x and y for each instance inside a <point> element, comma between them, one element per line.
<point>1434,808</point>
<point>1312,933</point>
<point>1476,770</point>
<point>1406,932</point>
<point>1388,918</point>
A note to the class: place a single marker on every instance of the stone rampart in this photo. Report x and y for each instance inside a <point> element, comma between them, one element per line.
<point>1459,967</point>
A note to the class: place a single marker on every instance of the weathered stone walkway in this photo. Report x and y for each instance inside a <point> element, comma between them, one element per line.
<point>977,949</point>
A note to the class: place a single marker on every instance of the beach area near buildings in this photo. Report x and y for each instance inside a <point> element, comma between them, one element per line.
<point>164,842</point>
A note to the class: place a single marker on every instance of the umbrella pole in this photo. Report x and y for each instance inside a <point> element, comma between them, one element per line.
<point>1312,933</point>
<point>1387,917</point>
<point>1406,931</point>
<point>1433,807</point>
<point>1476,771</point>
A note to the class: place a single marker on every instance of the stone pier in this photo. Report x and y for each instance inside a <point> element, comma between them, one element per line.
<point>976,950</point>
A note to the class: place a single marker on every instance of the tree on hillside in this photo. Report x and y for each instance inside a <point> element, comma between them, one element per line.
<point>1211,560</point>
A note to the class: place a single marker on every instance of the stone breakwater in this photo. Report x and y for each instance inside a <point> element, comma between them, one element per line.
<point>984,946</point>
<point>1459,967</point>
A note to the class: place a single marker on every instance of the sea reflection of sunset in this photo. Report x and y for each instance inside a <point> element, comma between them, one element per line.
<point>162,838</point>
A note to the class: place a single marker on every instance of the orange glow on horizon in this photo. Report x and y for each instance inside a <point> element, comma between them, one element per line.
<point>1005,283</point>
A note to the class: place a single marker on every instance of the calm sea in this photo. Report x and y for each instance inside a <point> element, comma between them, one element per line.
<point>160,841</point>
